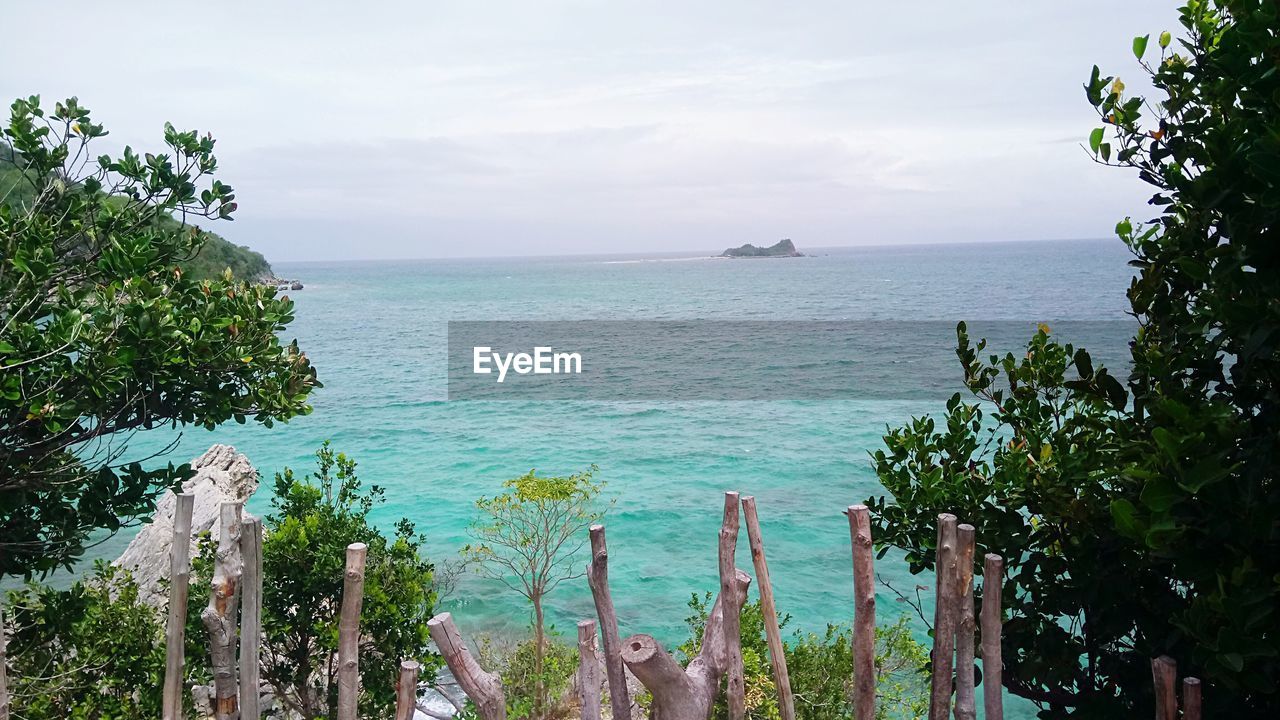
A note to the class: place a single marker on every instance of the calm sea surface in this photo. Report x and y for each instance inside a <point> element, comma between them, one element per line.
<point>376,332</point>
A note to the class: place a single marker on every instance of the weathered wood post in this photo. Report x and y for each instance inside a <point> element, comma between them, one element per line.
<point>219,618</point>
<point>944,619</point>
<point>251,619</point>
<point>1190,698</point>
<point>598,579</point>
<point>179,590</point>
<point>588,670</point>
<point>407,689</point>
<point>484,689</point>
<point>349,632</point>
<point>864,614</point>
<point>992,624</point>
<point>966,540</point>
<point>735,691</point>
<point>777,653</point>
<point>4,670</point>
<point>1164,673</point>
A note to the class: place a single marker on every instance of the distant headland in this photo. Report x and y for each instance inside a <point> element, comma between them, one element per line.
<point>782,248</point>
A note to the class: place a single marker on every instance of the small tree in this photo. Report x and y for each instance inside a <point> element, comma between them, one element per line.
<point>102,334</point>
<point>528,538</point>
<point>312,522</point>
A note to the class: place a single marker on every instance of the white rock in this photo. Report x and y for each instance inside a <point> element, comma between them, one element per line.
<point>221,475</point>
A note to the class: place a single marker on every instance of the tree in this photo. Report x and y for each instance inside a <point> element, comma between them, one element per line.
<point>93,650</point>
<point>312,522</point>
<point>529,538</point>
<point>102,334</point>
<point>1139,519</point>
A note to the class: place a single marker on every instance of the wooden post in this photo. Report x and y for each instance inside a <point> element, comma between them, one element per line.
<point>1191,698</point>
<point>944,617</point>
<point>251,619</point>
<point>179,590</point>
<point>966,708</point>
<point>777,652</point>
<point>864,614</point>
<point>598,579</point>
<point>992,632</point>
<point>219,618</point>
<point>588,670</point>
<point>407,690</point>
<point>484,689</point>
<point>349,632</point>
<point>735,691</point>
<point>4,670</point>
<point>1164,672</point>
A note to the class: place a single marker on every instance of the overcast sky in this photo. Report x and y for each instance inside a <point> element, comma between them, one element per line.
<point>469,128</point>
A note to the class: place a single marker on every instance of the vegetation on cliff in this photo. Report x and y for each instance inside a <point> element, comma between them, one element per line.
<point>782,248</point>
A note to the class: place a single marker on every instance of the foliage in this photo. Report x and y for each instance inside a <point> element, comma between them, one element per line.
<point>91,651</point>
<point>1140,520</point>
<point>517,665</point>
<point>529,537</point>
<point>820,668</point>
<point>102,334</point>
<point>313,521</point>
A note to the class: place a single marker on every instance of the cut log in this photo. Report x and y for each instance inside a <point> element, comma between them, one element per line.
<point>588,670</point>
<point>966,707</point>
<point>484,689</point>
<point>407,690</point>
<point>688,693</point>
<point>777,652</point>
<point>1164,673</point>
<point>864,614</point>
<point>598,579</point>
<point>251,619</point>
<point>1190,698</point>
<point>349,632</point>
<point>176,625</point>
<point>944,616</point>
<point>735,689</point>
<point>219,618</point>
<point>992,636</point>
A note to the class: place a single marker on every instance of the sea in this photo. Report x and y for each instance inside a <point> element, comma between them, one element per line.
<point>378,334</point>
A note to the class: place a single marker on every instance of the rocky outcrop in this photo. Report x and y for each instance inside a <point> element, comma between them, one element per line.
<point>221,475</point>
<point>782,248</point>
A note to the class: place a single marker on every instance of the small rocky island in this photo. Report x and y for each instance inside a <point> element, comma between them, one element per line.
<point>782,248</point>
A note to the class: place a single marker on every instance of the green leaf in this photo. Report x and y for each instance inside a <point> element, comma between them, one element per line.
<point>1125,516</point>
<point>1140,46</point>
<point>1161,494</point>
<point>1095,139</point>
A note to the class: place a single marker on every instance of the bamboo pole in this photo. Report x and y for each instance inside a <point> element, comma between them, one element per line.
<point>1164,673</point>
<point>777,652</point>
<point>944,627</point>
<point>251,619</point>
<point>4,670</point>
<point>965,700</point>
<point>219,618</point>
<point>407,690</point>
<point>484,689</point>
<point>349,632</point>
<point>735,690</point>
<point>598,579</point>
<point>864,614</point>
<point>1191,698</point>
<point>179,590</point>
<point>992,631</point>
<point>588,670</point>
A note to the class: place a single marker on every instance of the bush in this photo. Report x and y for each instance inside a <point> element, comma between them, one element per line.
<point>91,651</point>
<point>516,663</point>
<point>820,668</point>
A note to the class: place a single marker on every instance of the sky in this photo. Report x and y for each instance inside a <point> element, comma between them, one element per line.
<point>419,129</point>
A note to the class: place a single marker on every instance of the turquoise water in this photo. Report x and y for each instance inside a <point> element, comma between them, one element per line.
<point>376,332</point>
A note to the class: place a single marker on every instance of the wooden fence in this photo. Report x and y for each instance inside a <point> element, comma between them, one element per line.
<point>678,692</point>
